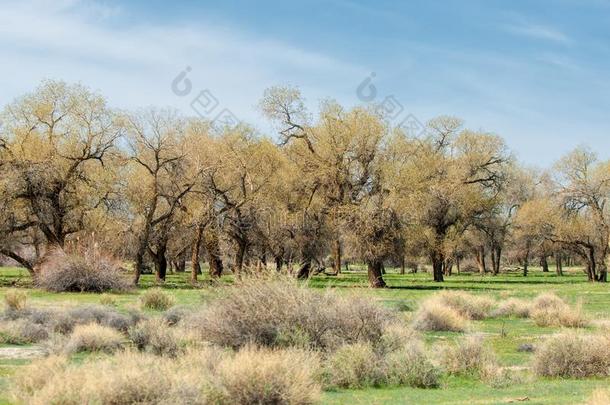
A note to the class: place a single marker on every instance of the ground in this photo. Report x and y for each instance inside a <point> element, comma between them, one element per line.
<point>505,335</point>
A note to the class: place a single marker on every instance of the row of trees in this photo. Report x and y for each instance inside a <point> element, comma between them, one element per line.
<point>340,185</point>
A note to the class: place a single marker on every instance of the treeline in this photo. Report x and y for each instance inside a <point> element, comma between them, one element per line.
<point>338,185</point>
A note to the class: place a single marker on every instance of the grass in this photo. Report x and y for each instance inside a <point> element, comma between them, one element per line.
<point>406,292</point>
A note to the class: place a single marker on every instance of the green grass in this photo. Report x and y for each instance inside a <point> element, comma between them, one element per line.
<point>404,294</point>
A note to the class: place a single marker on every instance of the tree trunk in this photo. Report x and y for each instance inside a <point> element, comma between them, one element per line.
<point>337,256</point>
<point>558,264</point>
<point>526,260</point>
<point>437,266</point>
<point>375,273</point>
<point>279,262</point>
<point>496,253</point>
<point>480,258</point>
<point>160,262</point>
<point>195,253</point>
<point>240,253</point>
<point>402,265</point>
<point>304,269</point>
<point>212,251</point>
<point>544,263</point>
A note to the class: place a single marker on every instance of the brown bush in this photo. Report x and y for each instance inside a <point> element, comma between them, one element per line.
<point>469,357</point>
<point>573,355</point>
<point>513,307</point>
<point>201,377</point>
<point>154,335</point>
<point>264,376</point>
<point>283,314</point>
<point>94,338</point>
<point>354,366</point>
<point>435,316</point>
<point>467,305</point>
<point>15,300</point>
<point>22,332</point>
<point>560,315</point>
<point>87,270</point>
<point>156,299</point>
<point>410,365</point>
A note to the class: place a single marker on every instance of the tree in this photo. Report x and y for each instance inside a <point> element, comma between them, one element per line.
<point>337,153</point>
<point>159,178</point>
<point>446,180</point>
<point>58,155</point>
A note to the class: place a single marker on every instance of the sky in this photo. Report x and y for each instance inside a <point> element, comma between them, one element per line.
<point>536,72</point>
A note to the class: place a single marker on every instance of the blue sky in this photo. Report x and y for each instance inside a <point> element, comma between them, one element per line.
<point>535,72</point>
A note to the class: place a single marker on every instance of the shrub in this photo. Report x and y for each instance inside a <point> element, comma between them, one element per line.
<point>469,357</point>
<point>573,355</point>
<point>107,299</point>
<point>599,397</point>
<point>547,300</point>
<point>434,316</point>
<point>354,366</point>
<point>155,336</point>
<point>205,376</point>
<point>15,300</point>
<point>22,332</point>
<point>264,376</point>
<point>93,338</point>
<point>283,314</point>
<point>561,315</point>
<point>395,336</point>
<point>513,307</point>
<point>65,322</point>
<point>467,305</point>
<point>85,271</point>
<point>411,366</point>
<point>156,299</point>
<point>175,315</point>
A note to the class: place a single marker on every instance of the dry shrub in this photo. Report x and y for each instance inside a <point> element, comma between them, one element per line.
<point>433,315</point>
<point>30,379</point>
<point>354,366</point>
<point>65,321</point>
<point>469,357</point>
<point>570,354</point>
<point>513,307</point>
<point>22,332</point>
<point>283,314</point>
<point>202,377</point>
<point>395,336</point>
<point>264,376</point>
<point>94,338</point>
<point>599,396</point>
<point>155,336</point>
<point>107,299</point>
<point>550,310</point>
<point>410,365</point>
<point>175,315</point>
<point>157,299</point>
<point>467,305</point>
<point>15,300</point>
<point>87,270</point>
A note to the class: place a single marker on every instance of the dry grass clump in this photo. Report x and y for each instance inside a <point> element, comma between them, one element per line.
<point>87,270</point>
<point>107,299</point>
<point>284,314</point>
<point>65,321</point>
<point>251,376</point>
<point>433,315</point>
<point>513,307</point>
<point>94,338</point>
<point>599,396</point>
<point>467,305</point>
<point>573,355</point>
<point>155,336</point>
<point>469,357</point>
<point>264,376</point>
<point>157,299</point>
<point>354,366</point>
<point>550,310</point>
<point>15,300</point>
<point>411,365</point>
<point>22,332</point>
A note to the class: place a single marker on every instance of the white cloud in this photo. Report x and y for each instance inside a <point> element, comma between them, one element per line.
<point>538,31</point>
<point>133,65</point>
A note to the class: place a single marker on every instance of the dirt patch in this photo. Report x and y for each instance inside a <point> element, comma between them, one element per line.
<point>21,352</point>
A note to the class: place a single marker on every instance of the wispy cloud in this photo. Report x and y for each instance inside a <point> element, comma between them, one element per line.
<point>133,64</point>
<point>538,31</point>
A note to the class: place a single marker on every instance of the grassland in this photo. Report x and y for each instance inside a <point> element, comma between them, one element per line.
<point>404,294</point>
